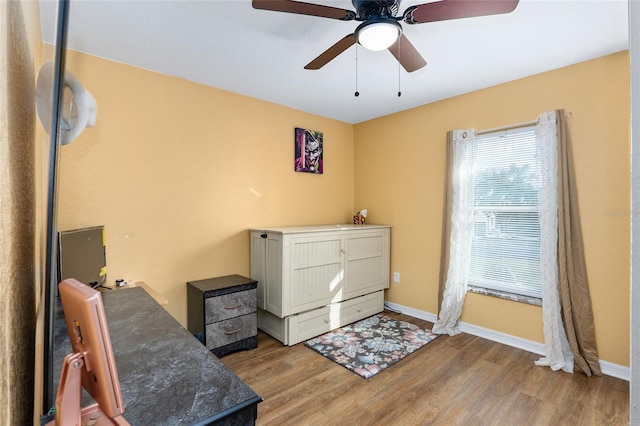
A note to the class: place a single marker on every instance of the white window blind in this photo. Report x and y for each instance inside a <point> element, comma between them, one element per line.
<point>506,242</point>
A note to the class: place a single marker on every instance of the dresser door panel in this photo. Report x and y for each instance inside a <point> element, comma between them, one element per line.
<point>316,272</point>
<point>367,263</point>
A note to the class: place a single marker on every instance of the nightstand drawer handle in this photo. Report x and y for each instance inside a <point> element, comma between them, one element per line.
<point>230,332</point>
<point>233,306</point>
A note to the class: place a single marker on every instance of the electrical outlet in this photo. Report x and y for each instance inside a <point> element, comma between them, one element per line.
<point>396,277</point>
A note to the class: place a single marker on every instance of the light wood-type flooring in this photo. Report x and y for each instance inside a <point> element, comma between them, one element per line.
<point>460,380</point>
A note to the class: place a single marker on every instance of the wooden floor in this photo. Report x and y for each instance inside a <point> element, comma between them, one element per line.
<point>460,380</point>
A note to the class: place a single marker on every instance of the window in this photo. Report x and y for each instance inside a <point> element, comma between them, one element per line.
<point>505,249</point>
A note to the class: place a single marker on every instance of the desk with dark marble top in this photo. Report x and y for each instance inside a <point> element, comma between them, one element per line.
<point>167,377</point>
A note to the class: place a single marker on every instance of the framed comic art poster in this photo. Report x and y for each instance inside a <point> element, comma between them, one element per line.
<point>308,151</point>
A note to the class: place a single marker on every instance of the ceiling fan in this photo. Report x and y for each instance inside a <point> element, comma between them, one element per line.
<point>381,29</point>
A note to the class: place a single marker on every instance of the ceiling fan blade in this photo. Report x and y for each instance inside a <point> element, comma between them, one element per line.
<point>456,9</point>
<point>301,8</point>
<point>329,54</point>
<point>407,55</point>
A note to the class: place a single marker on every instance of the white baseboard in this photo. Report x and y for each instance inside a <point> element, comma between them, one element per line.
<point>608,368</point>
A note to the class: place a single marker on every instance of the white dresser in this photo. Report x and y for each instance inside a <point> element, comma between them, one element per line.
<point>313,279</point>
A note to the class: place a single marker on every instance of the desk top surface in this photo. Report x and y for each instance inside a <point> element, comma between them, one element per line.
<point>167,377</point>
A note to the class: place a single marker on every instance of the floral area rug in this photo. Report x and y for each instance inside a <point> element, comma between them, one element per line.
<point>369,346</point>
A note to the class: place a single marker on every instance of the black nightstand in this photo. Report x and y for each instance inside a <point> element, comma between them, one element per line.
<point>222,313</point>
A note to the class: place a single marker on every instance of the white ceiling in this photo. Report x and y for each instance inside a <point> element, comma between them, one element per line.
<point>229,45</point>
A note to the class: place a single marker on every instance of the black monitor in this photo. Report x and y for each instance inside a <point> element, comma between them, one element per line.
<point>82,255</point>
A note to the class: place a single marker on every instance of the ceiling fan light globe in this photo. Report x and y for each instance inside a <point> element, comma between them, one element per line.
<point>378,35</point>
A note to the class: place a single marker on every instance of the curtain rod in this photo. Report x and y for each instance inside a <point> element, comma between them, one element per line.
<point>509,127</point>
<point>567,114</point>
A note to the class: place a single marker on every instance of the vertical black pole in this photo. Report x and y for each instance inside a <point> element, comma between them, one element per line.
<point>51,270</point>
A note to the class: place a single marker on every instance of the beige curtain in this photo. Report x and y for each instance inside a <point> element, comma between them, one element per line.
<point>17,214</point>
<point>572,271</point>
<point>446,219</point>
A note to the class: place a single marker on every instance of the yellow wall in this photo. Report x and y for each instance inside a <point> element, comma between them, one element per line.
<point>178,172</point>
<point>399,170</point>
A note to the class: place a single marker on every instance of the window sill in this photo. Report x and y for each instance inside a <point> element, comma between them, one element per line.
<point>505,295</point>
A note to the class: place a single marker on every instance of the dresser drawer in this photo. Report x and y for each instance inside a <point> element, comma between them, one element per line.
<point>229,306</point>
<point>297,328</point>
<point>232,330</point>
<point>318,321</point>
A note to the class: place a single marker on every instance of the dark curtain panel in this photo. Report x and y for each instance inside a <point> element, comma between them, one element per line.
<point>17,217</point>
<point>446,219</point>
<point>572,271</point>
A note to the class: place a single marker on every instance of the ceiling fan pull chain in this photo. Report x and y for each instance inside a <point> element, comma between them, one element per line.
<point>357,93</point>
<point>399,92</point>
